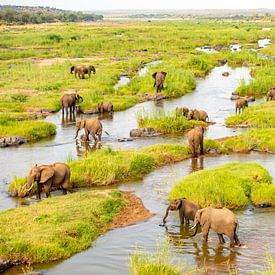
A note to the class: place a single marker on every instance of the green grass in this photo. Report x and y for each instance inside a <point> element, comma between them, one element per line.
<point>167,122</point>
<point>254,139</point>
<point>228,185</point>
<point>31,129</point>
<point>57,228</point>
<point>263,193</point>
<point>262,116</point>
<point>119,166</point>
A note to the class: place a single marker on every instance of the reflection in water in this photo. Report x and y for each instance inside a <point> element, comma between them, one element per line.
<point>196,164</point>
<point>68,120</point>
<point>84,147</point>
<point>105,116</point>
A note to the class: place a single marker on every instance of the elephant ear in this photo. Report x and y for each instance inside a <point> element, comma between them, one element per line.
<point>164,73</point>
<point>46,173</point>
<point>178,203</point>
<point>154,75</point>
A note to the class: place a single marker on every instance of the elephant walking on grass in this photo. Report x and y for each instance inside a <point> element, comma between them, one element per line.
<point>195,140</point>
<point>105,107</point>
<point>91,126</point>
<point>187,210</point>
<point>68,101</point>
<point>222,221</point>
<point>55,175</point>
<point>81,70</point>
<point>270,94</point>
<point>241,104</point>
<point>159,80</point>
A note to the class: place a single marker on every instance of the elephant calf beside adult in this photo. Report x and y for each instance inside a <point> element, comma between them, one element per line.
<point>159,80</point>
<point>222,221</point>
<point>105,107</point>
<point>56,175</point>
<point>81,70</point>
<point>68,101</point>
<point>195,140</point>
<point>187,210</point>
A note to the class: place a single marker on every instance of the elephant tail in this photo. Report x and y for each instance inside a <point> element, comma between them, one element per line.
<point>106,133</point>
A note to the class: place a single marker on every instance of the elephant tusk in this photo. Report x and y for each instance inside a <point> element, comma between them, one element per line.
<point>193,227</point>
<point>28,190</point>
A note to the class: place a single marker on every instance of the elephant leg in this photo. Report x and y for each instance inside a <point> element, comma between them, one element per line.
<point>75,74</point>
<point>47,188</point>
<point>232,239</point>
<point>181,216</point>
<point>222,241</point>
<point>187,221</point>
<point>205,231</point>
<point>94,137</point>
<point>39,190</point>
<point>237,242</point>
<point>87,134</point>
<point>64,191</point>
<point>201,147</point>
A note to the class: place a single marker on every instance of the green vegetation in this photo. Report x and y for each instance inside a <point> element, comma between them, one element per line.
<point>262,116</point>
<point>254,139</point>
<point>119,166</point>
<point>263,193</point>
<point>58,227</point>
<point>228,185</point>
<point>167,122</point>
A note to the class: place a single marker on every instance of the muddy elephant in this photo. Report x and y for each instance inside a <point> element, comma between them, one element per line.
<point>81,70</point>
<point>56,175</point>
<point>105,107</point>
<point>222,221</point>
<point>240,105</point>
<point>182,110</point>
<point>187,210</point>
<point>197,115</point>
<point>159,80</point>
<point>91,126</point>
<point>270,94</point>
<point>195,140</point>
<point>68,101</point>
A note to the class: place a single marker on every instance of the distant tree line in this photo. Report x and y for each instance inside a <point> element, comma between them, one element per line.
<point>36,15</point>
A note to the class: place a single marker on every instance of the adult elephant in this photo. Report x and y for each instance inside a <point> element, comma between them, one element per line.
<point>68,101</point>
<point>197,115</point>
<point>105,107</point>
<point>56,175</point>
<point>182,110</point>
<point>187,210</point>
<point>159,80</point>
<point>92,127</point>
<point>241,104</point>
<point>81,70</point>
<point>222,221</point>
<point>270,94</point>
<point>195,140</point>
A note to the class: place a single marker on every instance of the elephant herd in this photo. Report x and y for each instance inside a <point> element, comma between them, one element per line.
<point>222,221</point>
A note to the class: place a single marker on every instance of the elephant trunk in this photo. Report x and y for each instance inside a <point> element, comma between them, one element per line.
<point>166,215</point>
<point>76,133</point>
<point>81,98</point>
<point>195,226</point>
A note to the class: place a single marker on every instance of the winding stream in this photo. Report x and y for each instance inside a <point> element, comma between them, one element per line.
<point>111,251</point>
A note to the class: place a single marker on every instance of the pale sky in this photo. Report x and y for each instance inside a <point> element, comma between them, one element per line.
<point>145,4</point>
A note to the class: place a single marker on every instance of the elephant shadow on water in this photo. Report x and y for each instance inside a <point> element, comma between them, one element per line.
<point>108,116</point>
<point>197,164</point>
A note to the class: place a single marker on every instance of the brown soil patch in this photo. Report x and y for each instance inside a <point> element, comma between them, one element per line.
<point>59,60</point>
<point>223,138</point>
<point>134,212</point>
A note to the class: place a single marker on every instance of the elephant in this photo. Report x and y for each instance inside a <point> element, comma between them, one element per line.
<point>105,107</point>
<point>159,80</point>
<point>197,115</point>
<point>270,94</point>
<point>195,140</point>
<point>241,104</point>
<point>47,176</point>
<point>182,110</point>
<point>187,210</point>
<point>69,101</point>
<point>81,70</point>
<point>91,126</point>
<point>222,221</point>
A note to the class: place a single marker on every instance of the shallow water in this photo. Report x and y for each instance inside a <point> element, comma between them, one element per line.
<point>235,47</point>
<point>263,43</point>
<point>111,251</point>
<point>206,49</point>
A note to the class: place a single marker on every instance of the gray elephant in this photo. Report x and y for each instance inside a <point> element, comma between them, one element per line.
<point>68,101</point>
<point>195,140</point>
<point>56,175</point>
<point>270,94</point>
<point>159,80</point>
<point>187,210</point>
<point>105,107</point>
<point>81,70</point>
<point>241,104</point>
<point>182,110</point>
<point>222,221</point>
<point>91,126</point>
<point>197,115</point>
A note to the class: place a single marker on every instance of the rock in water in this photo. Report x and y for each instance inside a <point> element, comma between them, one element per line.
<point>144,132</point>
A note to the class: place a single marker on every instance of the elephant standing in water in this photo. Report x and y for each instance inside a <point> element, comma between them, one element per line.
<point>222,221</point>
<point>105,107</point>
<point>182,110</point>
<point>195,140</point>
<point>47,176</point>
<point>197,115</point>
<point>68,101</point>
<point>270,94</point>
<point>81,70</point>
<point>159,80</point>
<point>187,210</point>
<point>91,126</point>
<point>241,104</point>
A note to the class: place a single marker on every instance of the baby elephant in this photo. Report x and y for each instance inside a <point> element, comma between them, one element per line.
<point>241,104</point>
<point>195,140</point>
<point>105,107</point>
<point>159,80</point>
<point>222,221</point>
<point>270,94</point>
<point>187,210</point>
<point>197,115</point>
<point>81,70</point>
<point>182,110</point>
